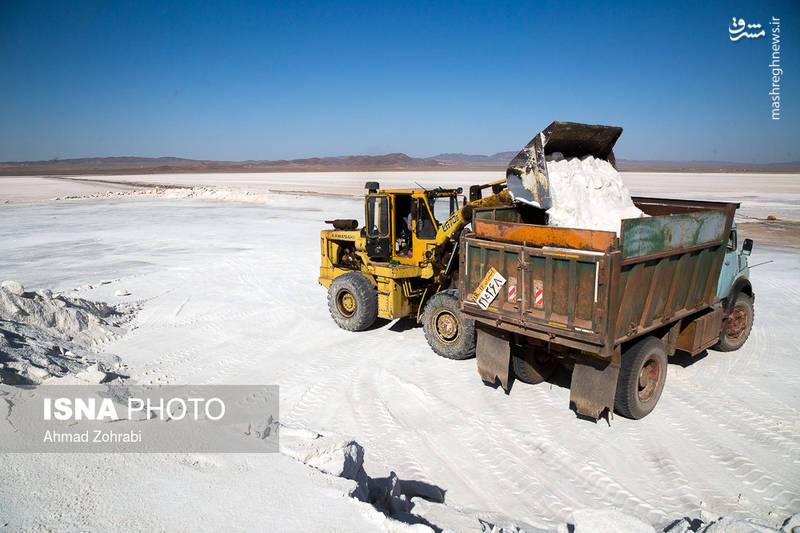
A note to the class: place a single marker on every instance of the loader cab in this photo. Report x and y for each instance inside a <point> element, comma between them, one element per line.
<point>402,224</point>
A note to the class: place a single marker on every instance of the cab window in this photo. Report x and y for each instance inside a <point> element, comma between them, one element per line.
<point>378,216</point>
<point>443,207</point>
<point>426,229</point>
<point>732,244</point>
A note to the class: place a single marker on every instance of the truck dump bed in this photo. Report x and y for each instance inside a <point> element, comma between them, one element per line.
<point>591,290</point>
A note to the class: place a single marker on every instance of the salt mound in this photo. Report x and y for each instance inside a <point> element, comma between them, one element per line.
<point>329,453</point>
<point>44,335</point>
<point>587,193</point>
<point>70,319</point>
<point>220,194</point>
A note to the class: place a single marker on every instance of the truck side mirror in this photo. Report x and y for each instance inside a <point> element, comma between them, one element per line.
<point>747,246</point>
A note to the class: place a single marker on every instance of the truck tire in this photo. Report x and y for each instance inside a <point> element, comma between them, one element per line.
<point>448,333</point>
<point>353,301</point>
<point>532,365</point>
<point>642,375</point>
<point>736,328</point>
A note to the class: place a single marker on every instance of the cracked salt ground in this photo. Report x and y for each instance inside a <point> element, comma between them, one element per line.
<point>228,294</point>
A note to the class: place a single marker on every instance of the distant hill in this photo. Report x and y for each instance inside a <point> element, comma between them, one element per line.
<point>500,158</point>
<point>156,165</point>
<point>351,163</point>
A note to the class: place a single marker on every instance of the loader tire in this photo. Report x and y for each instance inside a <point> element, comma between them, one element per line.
<point>736,328</point>
<point>532,365</point>
<point>448,333</point>
<point>353,301</point>
<point>642,375</point>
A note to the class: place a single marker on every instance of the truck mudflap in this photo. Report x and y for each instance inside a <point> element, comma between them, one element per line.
<point>527,172</point>
<point>493,355</point>
<point>593,387</point>
<point>594,381</point>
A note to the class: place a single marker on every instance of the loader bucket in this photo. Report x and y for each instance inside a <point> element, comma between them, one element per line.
<point>527,173</point>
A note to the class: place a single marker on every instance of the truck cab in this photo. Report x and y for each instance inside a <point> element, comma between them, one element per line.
<point>735,293</point>
<point>735,269</point>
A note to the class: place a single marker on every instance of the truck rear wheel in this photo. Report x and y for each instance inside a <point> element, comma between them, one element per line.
<point>642,375</point>
<point>736,328</point>
<point>532,365</point>
<point>448,333</point>
<point>353,301</point>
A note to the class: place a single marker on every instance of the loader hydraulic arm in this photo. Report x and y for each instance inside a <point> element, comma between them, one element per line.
<point>451,228</point>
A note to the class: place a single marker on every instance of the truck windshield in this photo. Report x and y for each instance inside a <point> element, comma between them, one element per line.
<point>378,216</point>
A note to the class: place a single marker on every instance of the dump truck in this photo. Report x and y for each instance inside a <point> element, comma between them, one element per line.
<point>612,306</point>
<point>403,262</point>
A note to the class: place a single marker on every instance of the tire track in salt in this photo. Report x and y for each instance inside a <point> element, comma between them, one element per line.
<point>752,423</point>
<point>589,480</point>
<point>736,464</point>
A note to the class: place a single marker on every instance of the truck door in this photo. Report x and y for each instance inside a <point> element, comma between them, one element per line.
<point>425,226</point>
<point>730,265</point>
<point>379,239</point>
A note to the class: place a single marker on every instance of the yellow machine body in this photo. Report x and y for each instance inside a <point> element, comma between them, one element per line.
<point>406,245</point>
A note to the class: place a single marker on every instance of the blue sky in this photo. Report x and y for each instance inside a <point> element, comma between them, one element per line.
<point>241,80</point>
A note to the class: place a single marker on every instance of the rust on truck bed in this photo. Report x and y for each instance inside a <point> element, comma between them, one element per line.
<point>591,291</point>
<point>581,239</point>
<point>663,267</point>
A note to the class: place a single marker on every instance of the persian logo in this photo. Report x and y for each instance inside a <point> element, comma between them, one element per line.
<point>737,30</point>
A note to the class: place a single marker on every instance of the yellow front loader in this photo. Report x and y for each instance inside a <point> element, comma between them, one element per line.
<point>403,262</point>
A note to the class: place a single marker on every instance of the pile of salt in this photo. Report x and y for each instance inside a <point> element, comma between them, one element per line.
<point>587,193</point>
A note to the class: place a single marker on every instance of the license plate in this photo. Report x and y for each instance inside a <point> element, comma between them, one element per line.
<point>488,289</point>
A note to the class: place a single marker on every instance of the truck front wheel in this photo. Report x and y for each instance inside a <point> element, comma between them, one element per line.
<point>736,328</point>
<point>353,301</point>
<point>448,333</point>
<point>642,375</point>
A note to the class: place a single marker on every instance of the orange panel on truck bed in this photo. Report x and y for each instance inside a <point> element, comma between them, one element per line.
<point>580,239</point>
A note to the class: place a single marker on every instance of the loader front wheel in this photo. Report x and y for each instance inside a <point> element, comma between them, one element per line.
<point>353,301</point>
<point>448,333</point>
<point>642,374</point>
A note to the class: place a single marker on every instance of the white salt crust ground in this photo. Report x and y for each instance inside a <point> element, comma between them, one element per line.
<point>228,294</point>
<point>760,194</point>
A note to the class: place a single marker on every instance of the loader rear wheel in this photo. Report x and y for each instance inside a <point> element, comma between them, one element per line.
<point>642,375</point>
<point>353,301</point>
<point>736,328</point>
<point>532,365</point>
<point>448,333</point>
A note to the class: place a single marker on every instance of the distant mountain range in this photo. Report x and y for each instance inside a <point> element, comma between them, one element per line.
<point>500,158</point>
<point>351,163</point>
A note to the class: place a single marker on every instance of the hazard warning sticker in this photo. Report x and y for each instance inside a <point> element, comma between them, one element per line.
<point>538,294</point>
<point>512,290</point>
